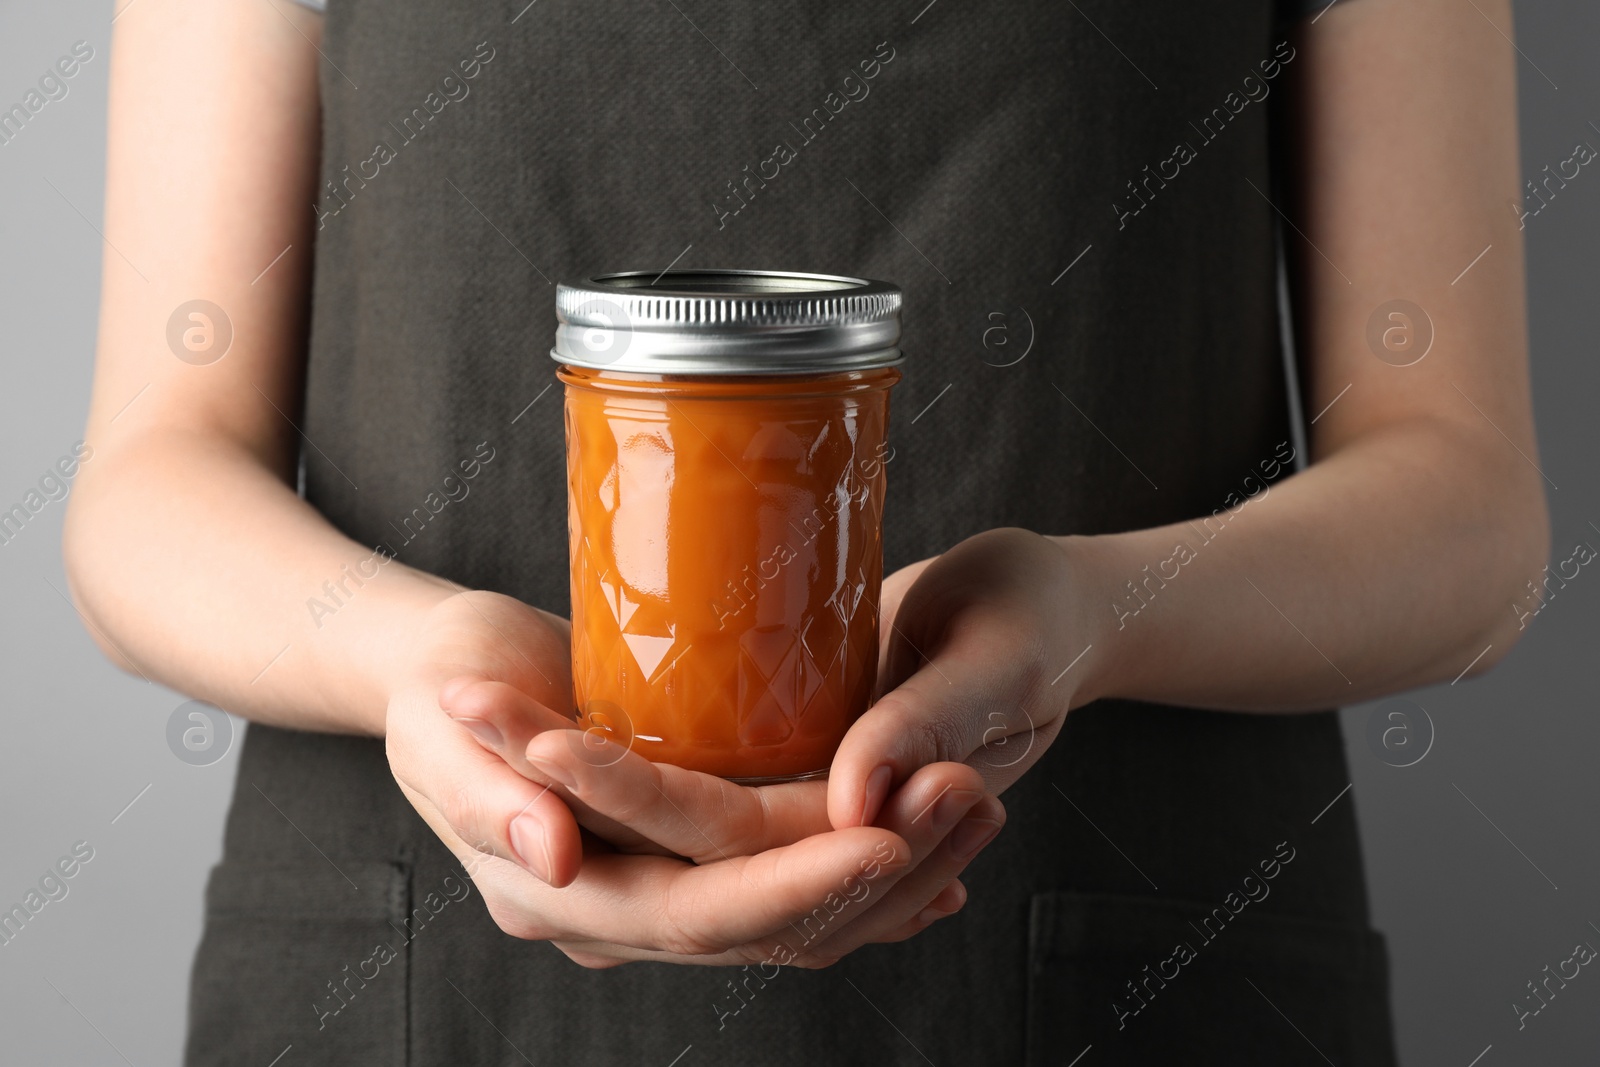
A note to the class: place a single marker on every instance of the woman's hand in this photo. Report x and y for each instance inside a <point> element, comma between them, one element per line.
<point>757,876</point>
<point>678,866</point>
<point>471,797</point>
<point>976,650</point>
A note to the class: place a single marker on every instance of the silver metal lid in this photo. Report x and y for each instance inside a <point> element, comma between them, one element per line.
<point>727,322</point>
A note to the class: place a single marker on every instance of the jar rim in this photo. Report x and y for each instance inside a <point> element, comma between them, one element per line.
<point>698,321</point>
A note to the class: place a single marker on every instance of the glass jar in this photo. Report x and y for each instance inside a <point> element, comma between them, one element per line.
<point>726,442</point>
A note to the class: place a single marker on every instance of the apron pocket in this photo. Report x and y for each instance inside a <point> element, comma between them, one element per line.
<point>304,956</point>
<point>1145,980</point>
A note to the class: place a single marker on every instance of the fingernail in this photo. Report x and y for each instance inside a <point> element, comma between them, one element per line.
<point>555,772</point>
<point>972,835</point>
<point>877,793</point>
<point>953,898</point>
<point>950,806</point>
<point>486,732</point>
<point>530,844</point>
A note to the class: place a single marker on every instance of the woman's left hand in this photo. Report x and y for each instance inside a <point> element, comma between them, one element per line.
<point>980,663</point>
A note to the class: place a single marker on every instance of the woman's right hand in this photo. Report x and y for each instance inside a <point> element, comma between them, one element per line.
<point>471,797</point>
<point>713,873</point>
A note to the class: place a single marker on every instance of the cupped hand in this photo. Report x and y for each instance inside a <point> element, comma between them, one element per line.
<point>978,661</point>
<point>677,865</point>
<point>710,859</point>
<point>808,903</point>
<point>471,797</point>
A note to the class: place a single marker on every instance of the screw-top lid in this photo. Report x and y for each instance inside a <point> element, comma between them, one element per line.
<point>727,322</point>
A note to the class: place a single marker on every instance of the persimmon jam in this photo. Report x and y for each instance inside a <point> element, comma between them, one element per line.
<point>726,444</point>
<point>726,540</point>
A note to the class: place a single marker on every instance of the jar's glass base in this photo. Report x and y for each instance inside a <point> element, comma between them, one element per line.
<point>777,779</point>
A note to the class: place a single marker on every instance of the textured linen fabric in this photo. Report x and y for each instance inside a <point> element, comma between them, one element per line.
<point>998,146</point>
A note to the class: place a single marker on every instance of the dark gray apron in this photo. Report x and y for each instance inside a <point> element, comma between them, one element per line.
<point>1165,890</point>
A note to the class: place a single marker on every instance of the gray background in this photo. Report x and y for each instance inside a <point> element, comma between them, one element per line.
<point>1473,909</point>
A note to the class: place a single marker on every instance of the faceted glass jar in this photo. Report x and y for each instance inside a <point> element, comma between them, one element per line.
<point>726,538</point>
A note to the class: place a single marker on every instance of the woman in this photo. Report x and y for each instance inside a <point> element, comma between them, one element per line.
<point>1114,624</point>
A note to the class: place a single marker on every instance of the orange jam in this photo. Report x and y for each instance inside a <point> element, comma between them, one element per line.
<point>726,560</point>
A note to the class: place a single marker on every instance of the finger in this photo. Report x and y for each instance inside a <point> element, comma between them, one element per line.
<point>599,955</point>
<point>503,719</point>
<point>635,805</point>
<point>695,815</point>
<point>666,905</point>
<point>923,813</point>
<point>913,901</point>
<point>936,804</point>
<point>948,902</point>
<point>602,955</point>
<point>468,793</point>
<point>936,715</point>
<point>961,705</point>
<point>951,899</point>
<point>928,814</point>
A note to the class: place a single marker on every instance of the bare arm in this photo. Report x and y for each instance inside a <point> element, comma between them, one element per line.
<point>1399,553</point>
<point>1394,560</point>
<point>188,550</point>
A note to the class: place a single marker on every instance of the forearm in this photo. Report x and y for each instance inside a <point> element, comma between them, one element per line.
<point>1392,564</point>
<point>1397,558</point>
<point>190,556</point>
<point>197,567</point>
